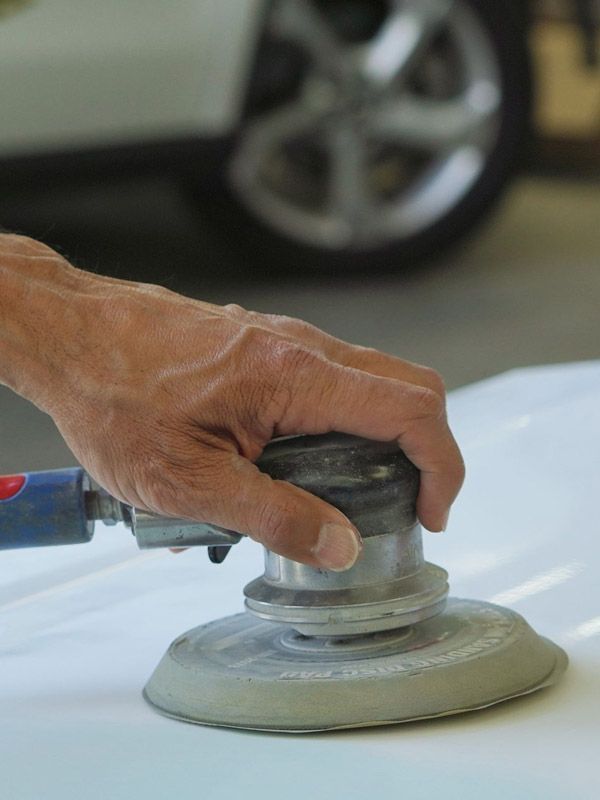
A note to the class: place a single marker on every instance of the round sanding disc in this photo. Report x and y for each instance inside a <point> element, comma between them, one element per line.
<point>245,673</point>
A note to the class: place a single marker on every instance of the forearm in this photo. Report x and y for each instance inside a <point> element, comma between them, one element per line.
<point>40,316</point>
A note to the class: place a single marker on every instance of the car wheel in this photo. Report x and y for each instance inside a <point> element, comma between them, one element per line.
<point>376,132</point>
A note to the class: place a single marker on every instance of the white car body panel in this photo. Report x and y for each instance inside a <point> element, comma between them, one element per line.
<point>82,73</point>
<point>83,628</point>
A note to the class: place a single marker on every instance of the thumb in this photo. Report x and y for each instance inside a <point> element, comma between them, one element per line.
<point>284,518</point>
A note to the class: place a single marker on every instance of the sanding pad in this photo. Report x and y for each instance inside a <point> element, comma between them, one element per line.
<point>243,672</point>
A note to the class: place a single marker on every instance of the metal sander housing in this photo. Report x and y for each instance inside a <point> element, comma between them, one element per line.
<point>390,586</point>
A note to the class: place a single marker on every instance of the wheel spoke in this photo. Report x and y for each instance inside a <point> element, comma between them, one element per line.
<point>433,125</point>
<point>402,39</point>
<point>282,125</point>
<point>349,198</point>
<point>302,22</point>
<point>267,134</point>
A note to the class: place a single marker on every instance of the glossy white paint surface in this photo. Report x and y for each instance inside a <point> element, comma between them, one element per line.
<point>81,629</point>
<point>88,73</point>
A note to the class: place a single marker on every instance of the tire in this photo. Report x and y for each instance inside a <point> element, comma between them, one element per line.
<point>447,179</point>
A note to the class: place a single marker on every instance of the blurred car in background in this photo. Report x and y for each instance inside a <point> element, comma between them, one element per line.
<point>331,133</point>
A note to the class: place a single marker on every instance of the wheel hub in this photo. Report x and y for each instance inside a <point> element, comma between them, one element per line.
<point>356,100</point>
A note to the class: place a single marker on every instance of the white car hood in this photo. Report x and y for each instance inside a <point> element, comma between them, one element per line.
<point>83,627</point>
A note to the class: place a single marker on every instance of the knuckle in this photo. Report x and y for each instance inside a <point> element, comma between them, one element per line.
<point>434,381</point>
<point>252,319</point>
<point>302,332</point>
<point>286,322</point>
<point>360,357</point>
<point>292,359</point>
<point>274,525</point>
<point>235,310</point>
<point>458,470</point>
<point>366,353</point>
<point>428,403</point>
<point>298,327</point>
<point>295,329</point>
<point>298,382</point>
<point>254,349</point>
<point>279,320</point>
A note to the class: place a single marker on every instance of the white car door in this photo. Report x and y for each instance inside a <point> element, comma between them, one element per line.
<point>84,73</point>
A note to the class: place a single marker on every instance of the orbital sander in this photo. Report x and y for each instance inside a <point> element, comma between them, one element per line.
<point>315,650</point>
<point>380,643</point>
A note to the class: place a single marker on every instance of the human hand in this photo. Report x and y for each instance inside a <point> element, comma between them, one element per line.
<point>167,401</point>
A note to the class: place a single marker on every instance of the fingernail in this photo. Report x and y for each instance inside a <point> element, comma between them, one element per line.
<point>338,547</point>
<point>445,521</point>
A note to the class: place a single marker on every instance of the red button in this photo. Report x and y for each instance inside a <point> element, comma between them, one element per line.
<point>10,485</point>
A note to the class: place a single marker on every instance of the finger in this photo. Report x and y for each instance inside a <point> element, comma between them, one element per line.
<point>328,397</point>
<point>341,352</point>
<point>284,518</point>
<point>387,366</point>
